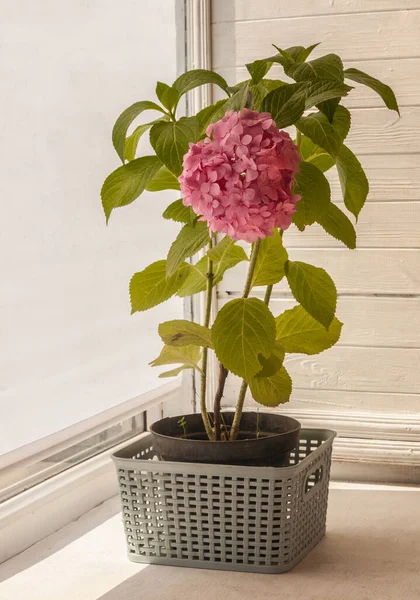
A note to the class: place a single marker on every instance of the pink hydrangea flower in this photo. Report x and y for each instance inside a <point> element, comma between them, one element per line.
<point>240,178</point>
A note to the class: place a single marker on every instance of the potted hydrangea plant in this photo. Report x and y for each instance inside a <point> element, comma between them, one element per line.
<point>244,180</point>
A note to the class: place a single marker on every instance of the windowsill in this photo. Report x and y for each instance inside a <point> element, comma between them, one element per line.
<point>370,552</point>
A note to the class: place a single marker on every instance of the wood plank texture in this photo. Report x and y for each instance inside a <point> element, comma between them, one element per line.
<point>375,367</point>
<point>354,37</point>
<point>381,370</point>
<point>402,75</point>
<point>364,318</point>
<point>361,271</point>
<point>250,10</point>
<point>380,225</point>
<point>326,400</point>
<point>391,177</point>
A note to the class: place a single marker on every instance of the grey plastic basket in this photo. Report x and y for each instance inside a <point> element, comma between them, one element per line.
<point>255,519</point>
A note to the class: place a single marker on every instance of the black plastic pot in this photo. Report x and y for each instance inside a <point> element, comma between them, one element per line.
<point>265,440</point>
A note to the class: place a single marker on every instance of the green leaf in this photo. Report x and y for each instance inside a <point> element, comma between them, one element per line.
<point>353,181</point>
<point>273,363</point>
<point>328,67</point>
<point>205,116</point>
<point>168,95</point>
<point>260,91</point>
<point>322,90</point>
<point>163,180</point>
<point>192,79</point>
<point>298,332</point>
<point>328,108</point>
<point>314,289</point>
<point>286,104</point>
<point>151,286</point>
<point>258,69</point>
<point>272,255</point>
<point>185,333</point>
<point>243,330</point>
<point>317,127</point>
<point>384,91</point>
<point>197,279</point>
<point>341,121</point>
<point>175,372</point>
<point>225,256</point>
<point>132,140</point>
<point>188,356</point>
<point>236,102</point>
<point>301,54</point>
<point>311,153</point>
<point>337,224</point>
<point>187,243</point>
<point>127,182</point>
<point>124,121</point>
<point>314,188</point>
<point>170,141</point>
<point>272,391</point>
<point>180,213</point>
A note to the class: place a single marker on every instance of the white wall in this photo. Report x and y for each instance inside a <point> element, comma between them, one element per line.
<point>69,347</point>
<point>375,368</point>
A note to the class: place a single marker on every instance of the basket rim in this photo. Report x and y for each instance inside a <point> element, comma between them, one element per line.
<point>218,469</point>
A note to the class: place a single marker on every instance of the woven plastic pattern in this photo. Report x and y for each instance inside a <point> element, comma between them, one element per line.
<point>260,519</point>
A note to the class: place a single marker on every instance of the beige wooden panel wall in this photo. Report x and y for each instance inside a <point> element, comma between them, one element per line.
<point>375,368</point>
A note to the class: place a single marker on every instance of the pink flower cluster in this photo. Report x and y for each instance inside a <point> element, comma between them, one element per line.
<point>239,179</point>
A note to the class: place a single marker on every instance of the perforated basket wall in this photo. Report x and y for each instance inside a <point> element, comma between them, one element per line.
<point>259,519</point>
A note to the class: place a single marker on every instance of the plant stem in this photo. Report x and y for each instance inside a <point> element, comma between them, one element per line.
<point>298,138</point>
<point>203,386</point>
<point>242,392</point>
<point>223,373</point>
<point>251,268</point>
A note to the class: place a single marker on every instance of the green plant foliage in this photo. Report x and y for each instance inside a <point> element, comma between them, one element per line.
<point>205,116</point>
<point>185,333</point>
<point>163,180</point>
<point>176,211</point>
<point>314,289</point>
<point>124,121</point>
<point>384,91</point>
<point>314,189</point>
<point>328,67</point>
<point>170,141</point>
<point>316,127</point>
<point>341,121</point>
<point>167,95</point>
<point>353,181</point>
<point>197,279</point>
<point>258,69</point>
<point>187,356</point>
<point>272,391</point>
<point>319,91</point>
<point>286,104</point>
<point>175,372</point>
<point>337,224</point>
<point>225,255</point>
<point>272,255</point>
<point>273,363</point>
<point>187,243</point>
<point>192,79</point>
<point>132,140</point>
<point>243,330</point>
<point>152,287</point>
<point>126,183</point>
<point>298,332</point>
<point>311,153</point>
